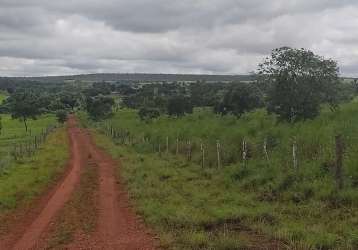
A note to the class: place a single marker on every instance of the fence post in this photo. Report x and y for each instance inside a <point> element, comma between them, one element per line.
<point>167,144</point>
<point>339,160</point>
<point>294,154</point>
<point>177,148</point>
<point>189,150</point>
<point>15,152</point>
<point>265,151</point>
<point>244,151</point>
<point>202,155</point>
<point>218,154</point>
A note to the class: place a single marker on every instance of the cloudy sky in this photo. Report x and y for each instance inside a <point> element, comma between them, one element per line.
<point>44,37</point>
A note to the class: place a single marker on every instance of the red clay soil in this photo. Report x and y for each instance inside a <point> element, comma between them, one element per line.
<point>118,227</point>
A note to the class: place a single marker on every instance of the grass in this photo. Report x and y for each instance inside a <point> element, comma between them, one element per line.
<point>13,132</point>
<point>236,206</point>
<point>29,177</point>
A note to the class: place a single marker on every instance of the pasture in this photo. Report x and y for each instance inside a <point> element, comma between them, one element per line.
<point>267,200</point>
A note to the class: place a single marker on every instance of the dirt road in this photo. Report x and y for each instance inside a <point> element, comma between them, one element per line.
<point>117,225</point>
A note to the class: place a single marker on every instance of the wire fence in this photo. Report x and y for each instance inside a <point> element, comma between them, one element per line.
<point>217,154</point>
<point>25,148</point>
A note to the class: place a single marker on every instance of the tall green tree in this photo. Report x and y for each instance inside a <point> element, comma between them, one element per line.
<point>99,107</point>
<point>69,100</point>
<point>298,83</point>
<point>61,116</point>
<point>179,105</point>
<point>240,98</point>
<point>24,105</point>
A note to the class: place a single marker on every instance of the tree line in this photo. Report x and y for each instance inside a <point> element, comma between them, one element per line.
<point>291,83</point>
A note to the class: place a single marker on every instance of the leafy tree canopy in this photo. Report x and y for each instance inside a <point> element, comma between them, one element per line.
<point>240,98</point>
<point>24,105</point>
<point>179,105</point>
<point>299,82</point>
<point>99,107</point>
<point>147,114</point>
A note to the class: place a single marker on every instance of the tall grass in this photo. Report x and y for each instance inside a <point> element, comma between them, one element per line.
<point>301,207</point>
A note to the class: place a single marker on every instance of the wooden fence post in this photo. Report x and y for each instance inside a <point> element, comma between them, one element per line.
<point>189,150</point>
<point>294,154</point>
<point>265,151</point>
<point>202,149</point>
<point>167,144</point>
<point>339,161</point>
<point>218,147</point>
<point>244,151</point>
<point>177,148</point>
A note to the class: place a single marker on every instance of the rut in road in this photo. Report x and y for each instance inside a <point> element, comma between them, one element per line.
<point>117,224</point>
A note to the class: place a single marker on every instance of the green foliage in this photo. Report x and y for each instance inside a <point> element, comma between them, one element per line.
<point>190,205</point>
<point>14,134</point>
<point>3,96</point>
<point>69,100</point>
<point>300,82</point>
<point>61,116</point>
<point>99,107</point>
<point>24,105</point>
<point>178,106</point>
<point>239,99</point>
<point>261,205</point>
<point>147,114</point>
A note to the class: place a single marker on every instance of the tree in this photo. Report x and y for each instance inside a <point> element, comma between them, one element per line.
<point>69,99</point>
<point>61,116</point>
<point>147,114</point>
<point>299,82</point>
<point>24,105</point>
<point>99,107</point>
<point>179,105</point>
<point>240,98</point>
<point>0,125</point>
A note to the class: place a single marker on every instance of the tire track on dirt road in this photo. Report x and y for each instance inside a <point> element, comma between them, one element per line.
<point>117,227</point>
<point>31,234</point>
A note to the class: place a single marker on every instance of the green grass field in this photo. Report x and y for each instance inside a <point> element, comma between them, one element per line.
<point>30,176</point>
<point>13,131</point>
<point>232,207</point>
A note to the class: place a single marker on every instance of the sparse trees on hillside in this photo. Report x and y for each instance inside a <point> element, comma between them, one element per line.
<point>299,82</point>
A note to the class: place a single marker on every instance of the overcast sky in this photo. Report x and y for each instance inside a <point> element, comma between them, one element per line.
<point>44,37</point>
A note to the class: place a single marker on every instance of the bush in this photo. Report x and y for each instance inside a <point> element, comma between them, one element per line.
<point>61,116</point>
<point>146,114</point>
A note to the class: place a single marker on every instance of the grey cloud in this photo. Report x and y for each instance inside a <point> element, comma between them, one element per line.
<point>189,36</point>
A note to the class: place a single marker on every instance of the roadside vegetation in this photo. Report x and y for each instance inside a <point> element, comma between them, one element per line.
<point>201,208</point>
<point>31,176</point>
<point>244,165</point>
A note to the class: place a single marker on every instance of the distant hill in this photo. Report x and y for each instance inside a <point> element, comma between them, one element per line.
<point>140,77</point>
